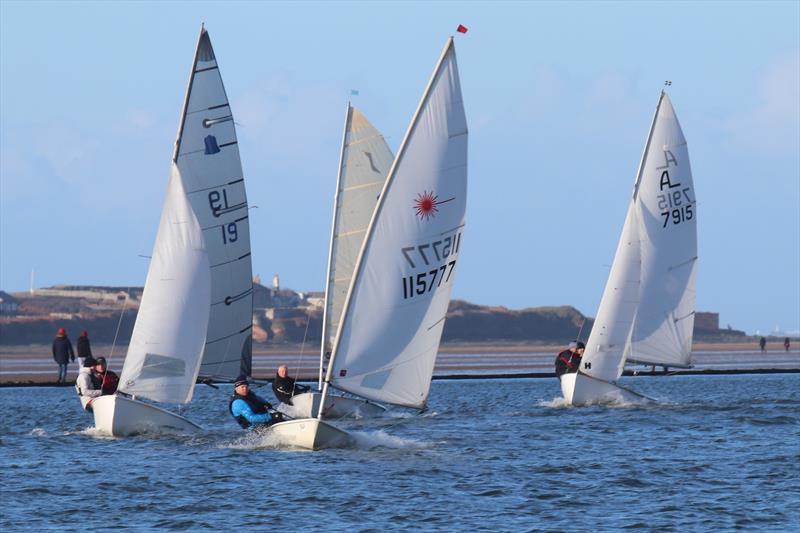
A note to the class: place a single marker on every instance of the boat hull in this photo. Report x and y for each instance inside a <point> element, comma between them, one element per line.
<point>581,389</point>
<point>122,417</point>
<point>306,405</point>
<point>310,434</point>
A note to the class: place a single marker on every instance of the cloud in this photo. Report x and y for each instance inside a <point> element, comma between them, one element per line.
<point>773,126</point>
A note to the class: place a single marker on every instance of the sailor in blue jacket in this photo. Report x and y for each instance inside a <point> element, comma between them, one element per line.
<point>249,409</point>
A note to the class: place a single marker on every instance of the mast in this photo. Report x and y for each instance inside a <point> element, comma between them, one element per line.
<point>647,146</point>
<point>186,96</point>
<point>330,246</point>
<point>375,215</point>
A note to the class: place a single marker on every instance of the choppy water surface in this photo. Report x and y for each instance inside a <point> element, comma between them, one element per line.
<point>721,452</point>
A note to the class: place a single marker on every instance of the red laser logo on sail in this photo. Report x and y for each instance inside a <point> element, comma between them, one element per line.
<point>426,204</point>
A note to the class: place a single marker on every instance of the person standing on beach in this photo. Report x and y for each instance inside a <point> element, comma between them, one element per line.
<point>84,348</point>
<point>763,344</point>
<point>786,343</point>
<point>62,353</point>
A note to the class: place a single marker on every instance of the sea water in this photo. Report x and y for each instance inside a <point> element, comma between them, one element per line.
<point>717,453</point>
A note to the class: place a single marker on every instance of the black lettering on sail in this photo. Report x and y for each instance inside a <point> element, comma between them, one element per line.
<point>666,181</point>
<point>668,158</point>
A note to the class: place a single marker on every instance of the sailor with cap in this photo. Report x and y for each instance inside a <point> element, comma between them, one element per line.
<point>569,360</point>
<point>85,386</point>
<point>249,409</point>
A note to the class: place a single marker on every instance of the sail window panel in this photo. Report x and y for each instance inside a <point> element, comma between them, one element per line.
<point>406,382</point>
<point>160,366</point>
<point>227,320</point>
<point>376,380</point>
<point>207,89</point>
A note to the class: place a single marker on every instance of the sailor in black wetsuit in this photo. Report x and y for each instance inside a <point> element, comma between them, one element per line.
<point>285,387</point>
<point>569,360</point>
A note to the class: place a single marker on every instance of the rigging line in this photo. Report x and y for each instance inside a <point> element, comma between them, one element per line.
<point>119,325</point>
<point>300,357</point>
<point>581,329</point>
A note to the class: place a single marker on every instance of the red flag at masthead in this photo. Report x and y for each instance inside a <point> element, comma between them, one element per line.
<point>461,29</point>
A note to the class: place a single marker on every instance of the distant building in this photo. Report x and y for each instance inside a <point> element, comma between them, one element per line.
<point>314,298</point>
<point>92,292</point>
<point>706,321</point>
<point>8,304</point>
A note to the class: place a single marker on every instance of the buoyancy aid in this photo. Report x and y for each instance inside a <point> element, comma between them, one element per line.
<point>258,407</point>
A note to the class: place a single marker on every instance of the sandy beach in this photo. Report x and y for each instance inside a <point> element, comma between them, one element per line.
<point>32,364</point>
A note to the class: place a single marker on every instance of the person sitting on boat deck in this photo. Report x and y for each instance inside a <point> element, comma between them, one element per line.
<point>285,387</point>
<point>249,409</point>
<point>88,388</point>
<point>107,380</point>
<point>569,360</point>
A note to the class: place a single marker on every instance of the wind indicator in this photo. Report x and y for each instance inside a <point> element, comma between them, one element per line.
<point>462,29</point>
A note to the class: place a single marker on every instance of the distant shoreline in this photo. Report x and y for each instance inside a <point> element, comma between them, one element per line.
<point>32,365</point>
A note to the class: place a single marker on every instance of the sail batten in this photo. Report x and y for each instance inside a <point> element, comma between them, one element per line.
<point>387,341</point>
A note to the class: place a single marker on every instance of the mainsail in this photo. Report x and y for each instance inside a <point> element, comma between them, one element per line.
<point>207,155</point>
<point>197,301</point>
<point>647,310</point>
<point>393,318</point>
<point>365,162</point>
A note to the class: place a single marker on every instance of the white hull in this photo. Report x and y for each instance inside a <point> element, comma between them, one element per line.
<point>306,405</point>
<point>121,417</point>
<point>581,389</point>
<point>310,433</point>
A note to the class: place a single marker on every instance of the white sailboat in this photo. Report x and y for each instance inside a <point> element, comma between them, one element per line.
<point>195,317</point>
<point>387,340</point>
<point>364,163</point>
<point>646,314</point>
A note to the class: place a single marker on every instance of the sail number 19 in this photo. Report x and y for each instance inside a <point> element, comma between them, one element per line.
<point>230,233</point>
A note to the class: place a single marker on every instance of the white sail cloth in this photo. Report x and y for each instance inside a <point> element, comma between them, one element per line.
<point>164,353</point>
<point>207,154</point>
<point>366,159</point>
<point>394,316</point>
<point>647,310</point>
<point>197,302</point>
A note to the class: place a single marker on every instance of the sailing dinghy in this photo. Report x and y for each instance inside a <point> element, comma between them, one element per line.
<point>393,316</point>
<point>646,314</point>
<point>195,317</point>
<point>364,163</point>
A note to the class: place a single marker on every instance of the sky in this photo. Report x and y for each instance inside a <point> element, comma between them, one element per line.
<point>559,98</point>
